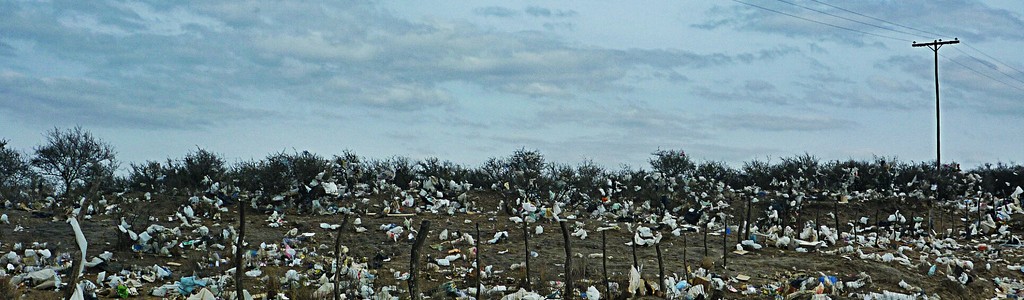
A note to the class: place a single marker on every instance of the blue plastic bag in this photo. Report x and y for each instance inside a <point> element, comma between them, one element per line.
<point>187,284</point>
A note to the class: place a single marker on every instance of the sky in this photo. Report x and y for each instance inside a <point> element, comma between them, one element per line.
<point>606,81</point>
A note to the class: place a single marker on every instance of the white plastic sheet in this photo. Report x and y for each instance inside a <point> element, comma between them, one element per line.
<point>82,243</point>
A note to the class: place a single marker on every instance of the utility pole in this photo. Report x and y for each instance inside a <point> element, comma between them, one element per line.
<point>935,45</point>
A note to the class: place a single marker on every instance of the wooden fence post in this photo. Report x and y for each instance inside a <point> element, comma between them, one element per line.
<point>686,266</point>
<point>661,268</point>
<point>240,249</point>
<point>706,228</point>
<point>568,262</point>
<point>978,221</point>
<point>876,220</point>
<point>604,265</point>
<point>746,225</point>
<point>414,261</point>
<point>337,258</point>
<point>967,220</point>
<point>725,248</point>
<point>479,279</point>
<point>817,220</point>
<point>76,264</point>
<point>526,248</point>
<point>785,213</point>
<point>835,213</point>
<point>633,247</point>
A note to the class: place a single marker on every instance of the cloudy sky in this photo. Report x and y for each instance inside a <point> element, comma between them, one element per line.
<point>467,80</point>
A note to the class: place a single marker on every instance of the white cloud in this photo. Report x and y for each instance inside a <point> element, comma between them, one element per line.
<point>543,73</point>
<point>773,122</point>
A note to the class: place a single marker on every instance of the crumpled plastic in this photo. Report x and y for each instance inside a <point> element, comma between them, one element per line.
<point>203,294</point>
<point>188,284</point>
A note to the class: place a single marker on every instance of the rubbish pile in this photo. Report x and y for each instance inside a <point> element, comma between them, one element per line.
<point>188,250</point>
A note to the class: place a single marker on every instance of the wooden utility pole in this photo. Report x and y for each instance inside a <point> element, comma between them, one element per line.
<point>934,46</point>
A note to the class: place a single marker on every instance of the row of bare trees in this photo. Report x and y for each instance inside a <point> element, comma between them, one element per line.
<point>73,159</point>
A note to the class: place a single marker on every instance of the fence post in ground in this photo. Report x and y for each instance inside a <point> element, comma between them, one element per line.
<point>978,221</point>
<point>686,267</point>
<point>909,226</point>
<point>747,224</point>
<point>568,262</point>
<point>952,222</point>
<point>661,268</point>
<point>76,264</point>
<point>785,213</point>
<point>479,279</point>
<point>526,248</point>
<point>632,244</point>
<point>799,213</point>
<point>951,226</point>
<point>414,260</point>
<point>706,228</point>
<point>240,249</point>
<point>835,213</point>
<point>964,224</point>
<point>604,265</point>
<point>817,220</point>
<point>725,248</point>
<point>967,219</point>
<point>876,220</point>
<point>337,258</point>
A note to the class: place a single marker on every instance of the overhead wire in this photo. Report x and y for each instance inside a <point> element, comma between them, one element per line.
<point>980,73</point>
<point>876,19</point>
<point>993,58</point>
<point>890,37</point>
<point>820,22</point>
<point>910,28</point>
<point>848,19</point>
<point>983,62</point>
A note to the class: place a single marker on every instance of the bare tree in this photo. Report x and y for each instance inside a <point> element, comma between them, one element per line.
<point>74,155</point>
<point>15,173</point>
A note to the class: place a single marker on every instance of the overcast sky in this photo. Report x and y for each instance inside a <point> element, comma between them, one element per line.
<point>609,81</point>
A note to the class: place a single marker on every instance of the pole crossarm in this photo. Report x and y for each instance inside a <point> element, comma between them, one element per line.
<point>935,45</point>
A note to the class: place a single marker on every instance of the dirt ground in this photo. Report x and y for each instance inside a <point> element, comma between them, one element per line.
<point>769,265</point>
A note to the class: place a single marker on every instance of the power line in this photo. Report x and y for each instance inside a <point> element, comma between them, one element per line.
<point>993,58</point>
<point>911,28</point>
<point>848,19</point>
<point>822,23</point>
<point>877,19</point>
<point>886,36</point>
<point>980,73</point>
<point>922,31</point>
<point>983,62</point>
